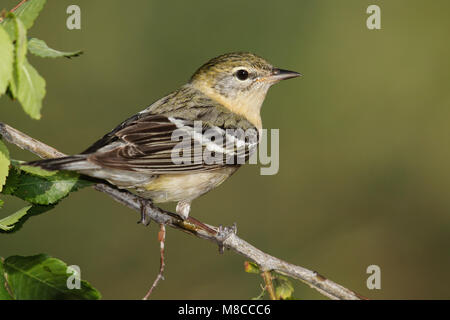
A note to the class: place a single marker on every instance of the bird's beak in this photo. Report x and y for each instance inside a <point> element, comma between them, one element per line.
<point>280,74</point>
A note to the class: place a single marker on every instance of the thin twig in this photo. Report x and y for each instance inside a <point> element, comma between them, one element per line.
<point>159,277</point>
<point>16,7</point>
<point>267,276</point>
<point>23,141</point>
<point>265,261</point>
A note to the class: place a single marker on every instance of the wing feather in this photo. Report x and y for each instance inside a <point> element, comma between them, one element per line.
<point>151,144</point>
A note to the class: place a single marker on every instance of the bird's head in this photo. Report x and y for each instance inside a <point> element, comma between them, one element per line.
<point>239,81</point>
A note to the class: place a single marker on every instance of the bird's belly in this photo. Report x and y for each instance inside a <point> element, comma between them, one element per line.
<point>177,187</point>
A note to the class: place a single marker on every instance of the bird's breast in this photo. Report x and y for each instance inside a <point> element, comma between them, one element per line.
<point>177,187</point>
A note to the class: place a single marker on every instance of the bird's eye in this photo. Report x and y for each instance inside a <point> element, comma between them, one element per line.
<point>242,74</point>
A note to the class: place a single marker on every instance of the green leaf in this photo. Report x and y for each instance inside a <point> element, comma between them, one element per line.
<point>12,181</point>
<point>40,48</point>
<point>21,43</point>
<point>6,60</point>
<point>29,11</point>
<point>251,267</point>
<point>4,294</point>
<point>39,186</point>
<point>4,164</point>
<point>9,25</point>
<point>26,85</point>
<point>18,34</point>
<point>33,211</point>
<point>284,289</point>
<point>42,277</point>
<point>31,90</point>
<point>16,30</point>
<point>35,170</point>
<point>7,224</point>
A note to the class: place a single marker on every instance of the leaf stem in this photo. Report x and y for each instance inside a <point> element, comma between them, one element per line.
<point>159,277</point>
<point>267,276</point>
<point>16,7</point>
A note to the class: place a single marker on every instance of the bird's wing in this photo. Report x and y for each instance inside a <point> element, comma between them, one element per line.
<point>157,144</point>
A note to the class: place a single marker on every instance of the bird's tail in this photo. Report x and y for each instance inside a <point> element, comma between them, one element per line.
<point>71,163</point>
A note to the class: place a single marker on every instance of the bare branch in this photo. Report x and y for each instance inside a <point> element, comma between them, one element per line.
<point>25,142</point>
<point>265,261</point>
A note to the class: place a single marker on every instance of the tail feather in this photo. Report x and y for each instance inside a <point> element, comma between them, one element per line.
<point>71,163</point>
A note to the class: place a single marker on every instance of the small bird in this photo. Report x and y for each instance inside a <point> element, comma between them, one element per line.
<point>222,97</point>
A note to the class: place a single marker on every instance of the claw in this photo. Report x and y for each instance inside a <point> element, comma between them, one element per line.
<point>223,234</point>
<point>145,217</point>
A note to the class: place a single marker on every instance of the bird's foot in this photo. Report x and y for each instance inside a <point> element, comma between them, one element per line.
<point>145,209</point>
<point>183,209</point>
<point>223,234</point>
<point>200,225</point>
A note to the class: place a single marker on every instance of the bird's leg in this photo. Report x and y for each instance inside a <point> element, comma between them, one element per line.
<point>183,208</point>
<point>145,217</point>
<point>223,234</point>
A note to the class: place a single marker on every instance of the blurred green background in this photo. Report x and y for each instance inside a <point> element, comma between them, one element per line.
<point>364,155</point>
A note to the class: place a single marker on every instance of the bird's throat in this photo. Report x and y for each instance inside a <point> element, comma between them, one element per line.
<point>247,105</point>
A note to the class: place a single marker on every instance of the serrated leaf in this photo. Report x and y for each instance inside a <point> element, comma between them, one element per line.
<point>29,11</point>
<point>35,189</point>
<point>26,84</point>
<point>4,164</point>
<point>39,186</point>
<point>284,289</point>
<point>7,224</point>
<point>4,294</point>
<point>30,90</point>
<point>45,190</point>
<point>40,48</point>
<point>6,60</point>
<point>44,278</point>
<point>33,211</point>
